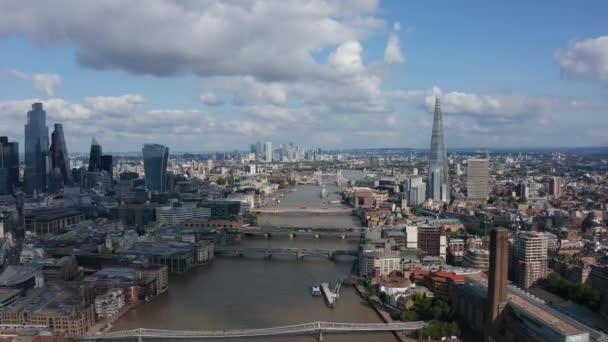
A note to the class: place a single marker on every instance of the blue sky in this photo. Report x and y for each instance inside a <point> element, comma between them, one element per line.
<point>210,75</point>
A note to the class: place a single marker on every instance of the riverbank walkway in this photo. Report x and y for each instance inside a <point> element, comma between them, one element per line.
<point>316,328</point>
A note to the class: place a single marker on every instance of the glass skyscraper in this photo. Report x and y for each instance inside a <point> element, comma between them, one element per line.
<point>9,165</point>
<point>59,155</point>
<point>95,156</point>
<point>36,150</point>
<point>438,183</point>
<point>156,158</point>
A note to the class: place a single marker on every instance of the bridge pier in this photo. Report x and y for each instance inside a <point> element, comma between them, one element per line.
<point>343,236</point>
<point>320,337</point>
<point>300,255</point>
<point>317,235</point>
<point>267,255</point>
<point>292,235</point>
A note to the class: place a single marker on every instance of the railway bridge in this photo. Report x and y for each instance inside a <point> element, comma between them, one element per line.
<point>268,252</point>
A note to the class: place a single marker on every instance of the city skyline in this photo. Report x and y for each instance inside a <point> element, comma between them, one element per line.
<point>384,61</point>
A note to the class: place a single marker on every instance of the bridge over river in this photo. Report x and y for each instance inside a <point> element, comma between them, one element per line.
<point>305,210</point>
<point>268,252</point>
<point>316,328</point>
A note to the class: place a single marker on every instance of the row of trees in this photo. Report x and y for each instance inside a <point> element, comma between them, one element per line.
<point>578,293</point>
<point>432,309</point>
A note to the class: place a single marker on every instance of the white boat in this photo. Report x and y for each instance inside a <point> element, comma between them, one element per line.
<point>316,290</point>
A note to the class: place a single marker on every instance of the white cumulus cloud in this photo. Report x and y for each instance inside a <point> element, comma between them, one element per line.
<point>586,59</point>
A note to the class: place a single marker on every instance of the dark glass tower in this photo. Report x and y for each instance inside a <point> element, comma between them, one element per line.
<point>36,150</point>
<point>155,166</point>
<point>9,166</point>
<point>106,163</point>
<point>438,184</point>
<point>59,155</point>
<point>95,156</point>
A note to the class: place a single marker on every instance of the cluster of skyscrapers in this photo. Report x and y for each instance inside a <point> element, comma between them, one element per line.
<point>48,169</point>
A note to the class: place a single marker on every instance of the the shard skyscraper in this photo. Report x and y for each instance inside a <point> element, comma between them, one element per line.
<point>438,183</point>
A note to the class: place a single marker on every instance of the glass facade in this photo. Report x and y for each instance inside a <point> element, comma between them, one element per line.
<point>156,158</point>
<point>95,156</point>
<point>36,150</point>
<point>9,165</point>
<point>59,155</point>
<point>438,160</point>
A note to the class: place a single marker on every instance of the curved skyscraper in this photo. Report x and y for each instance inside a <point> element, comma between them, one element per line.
<point>156,158</point>
<point>438,183</point>
<point>36,150</point>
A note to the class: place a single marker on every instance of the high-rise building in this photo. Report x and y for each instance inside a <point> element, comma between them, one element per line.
<point>530,258</point>
<point>95,156</point>
<point>499,265</point>
<point>36,150</point>
<point>478,174</point>
<point>555,186</point>
<point>156,158</point>
<point>107,163</point>
<point>9,165</point>
<point>58,154</point>
<point>438,183</point>
<point>268,152</point>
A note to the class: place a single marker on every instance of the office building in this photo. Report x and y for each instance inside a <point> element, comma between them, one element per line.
<point>65,306</point>
<point>9,166</point>
<point>95,156</point>
<point>51,220</point>
<point>156,158</point>
<point>438,182</point>
<point>530,258</point>
<point>416,192</point>
<point>432,241</point>
<point>478,174</point>
<point>556,185</point>
<point>476,258</point>
<point>36,150</point>
<point>384,262</point>
<point>177,213</point>
<point>109,304</point>
<point>268,152</point>
<point>58,154</point>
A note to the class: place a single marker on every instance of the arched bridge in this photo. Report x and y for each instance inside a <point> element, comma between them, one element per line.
<point>268,252</point>
<point>318,328</point>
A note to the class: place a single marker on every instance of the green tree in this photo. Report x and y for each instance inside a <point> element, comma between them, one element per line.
<point>437,330</point>
<point>408,316</point>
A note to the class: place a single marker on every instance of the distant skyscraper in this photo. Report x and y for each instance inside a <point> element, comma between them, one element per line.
<point>478,174</point>
<point>58,154</point>
<point>9,165</point>
<point>36,150</point>
<point>438,183</point>
<point>156,158</point>
<point>555,187</point>
<point>95,156</point>
<point>268,152</point>
<point>107,163</point>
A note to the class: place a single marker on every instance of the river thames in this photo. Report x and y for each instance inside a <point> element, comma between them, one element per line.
<point>253,292</point>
